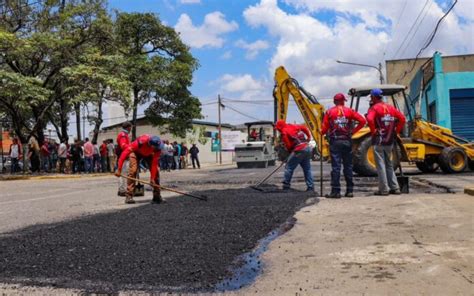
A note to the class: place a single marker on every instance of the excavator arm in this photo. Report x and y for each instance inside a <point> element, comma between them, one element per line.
<point>311,110</point>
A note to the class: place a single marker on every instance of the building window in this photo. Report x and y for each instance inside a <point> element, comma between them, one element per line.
<point>432,113</point>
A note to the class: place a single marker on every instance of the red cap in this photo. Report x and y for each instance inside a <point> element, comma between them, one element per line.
<point>340,97</point>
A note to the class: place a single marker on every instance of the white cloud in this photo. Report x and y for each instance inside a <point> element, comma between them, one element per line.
<point>226,55</point>
<point>253,48</point>
<point>190,1</point>
<point>209,34</point>
<point>309,47</point>
<point>239,83</point>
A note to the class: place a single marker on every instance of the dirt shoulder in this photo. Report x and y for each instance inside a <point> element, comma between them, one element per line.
<point>421,244</point>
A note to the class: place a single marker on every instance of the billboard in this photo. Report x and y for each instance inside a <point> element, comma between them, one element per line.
<point>230,139</point>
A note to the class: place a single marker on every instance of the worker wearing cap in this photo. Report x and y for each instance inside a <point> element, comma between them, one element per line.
<point>148,148</point>
<point>385,122</point>
<point>295,138</point>
<point>123,140</point>
<point>338,127</point>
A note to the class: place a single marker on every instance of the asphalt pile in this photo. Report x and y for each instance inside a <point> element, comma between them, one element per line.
<point>184,245</point>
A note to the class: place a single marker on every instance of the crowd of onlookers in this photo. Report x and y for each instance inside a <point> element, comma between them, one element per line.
<point>89,157</point>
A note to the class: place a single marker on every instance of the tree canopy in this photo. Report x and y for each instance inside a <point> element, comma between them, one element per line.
<point>58,55</point>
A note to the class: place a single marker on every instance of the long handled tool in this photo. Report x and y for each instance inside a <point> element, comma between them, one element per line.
<point>267,177</point>
<point>200,197</point>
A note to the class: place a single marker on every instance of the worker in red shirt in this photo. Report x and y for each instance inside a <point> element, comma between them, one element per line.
<point>148,148</point>
<point>123,141</point>
<point>338,127</point>
<point>295,139</point>
<point>385,122</point>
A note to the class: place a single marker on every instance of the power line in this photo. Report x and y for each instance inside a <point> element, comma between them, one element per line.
<point>396,27</point>
<point>416,31</point>
<point>411,28</point>
<point>240,112</point>
<point>429,40</point>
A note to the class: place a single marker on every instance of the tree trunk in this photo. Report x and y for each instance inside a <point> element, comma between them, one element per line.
<point>134,116</point>
<point>77,110</point>
<point>99,119</point>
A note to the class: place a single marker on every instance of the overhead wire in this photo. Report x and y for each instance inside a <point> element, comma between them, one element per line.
<point>428,42</point>
<point>416,31</point>
<point>240,112</point>
<point>410,30</point>
<point>395,28</point>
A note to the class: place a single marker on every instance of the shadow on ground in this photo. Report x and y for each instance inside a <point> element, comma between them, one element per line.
<point>182,245</point>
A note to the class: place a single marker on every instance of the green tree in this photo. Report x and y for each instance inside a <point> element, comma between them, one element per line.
<point>159,67</point>
<point>38,41</point>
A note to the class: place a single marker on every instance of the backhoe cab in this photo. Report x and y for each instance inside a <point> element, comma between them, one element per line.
<point>257,151</point>
<point>427,145</point>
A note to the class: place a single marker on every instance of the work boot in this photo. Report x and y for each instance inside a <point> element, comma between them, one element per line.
<point>395,191</point>
<point>129,200</point>
<point>381,193</point>
<point>122,193</point>
<point>349,194</point>
<point>333,195</point>
<point>157,199</point>
<point>310,189</point>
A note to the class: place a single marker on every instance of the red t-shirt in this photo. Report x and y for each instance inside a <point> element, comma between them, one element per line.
<point>123,140</point>
<point>295,137</point>
<point>384,122</point>
<point>338,122</point>
<point>143,149</point>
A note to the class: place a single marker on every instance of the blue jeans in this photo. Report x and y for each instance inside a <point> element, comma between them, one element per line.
<point>341,152</point>
<point>88,164</point>
<point>302,158</point>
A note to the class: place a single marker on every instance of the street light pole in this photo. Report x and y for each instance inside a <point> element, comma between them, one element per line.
<point>379,68</point>
<point>220,128</point>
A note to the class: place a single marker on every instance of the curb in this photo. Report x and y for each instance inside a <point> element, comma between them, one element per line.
<point>52,177</point>
<point>469,190</point>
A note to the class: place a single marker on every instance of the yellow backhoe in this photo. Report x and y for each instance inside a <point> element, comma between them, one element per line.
<point>428,145</point>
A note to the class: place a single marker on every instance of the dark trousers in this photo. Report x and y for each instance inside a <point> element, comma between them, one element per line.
<point>14,165</point>
<point>35,163</point>
<point>341,152</point>
<point>104,164</point>
<point>195,159</point>
<point>62,165</point>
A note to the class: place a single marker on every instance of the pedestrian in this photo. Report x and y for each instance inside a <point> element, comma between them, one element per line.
<point>176,154</point>
<point>44,153</point>
<point>194,151</point>
<point>111,155</point>
<point>103,157</point>
<point>147,148</point>
<point>385,122</point>
<point>169,155</point>
<point>295,139</point>
<point>53,155</point>
<point>34,154</point>
<point>184,156</point>
<point>15,155</point>
<point>123,141</point>
<point>88,155</point>
<point>96,158</point>
<point>338,127</point>
<point>163,159</point>
<point>62,156</point>
<point>76,155</point>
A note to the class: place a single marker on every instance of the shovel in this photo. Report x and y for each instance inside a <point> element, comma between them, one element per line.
<point>200,197</point>
<point>403,181</point>
<point>267,177</point>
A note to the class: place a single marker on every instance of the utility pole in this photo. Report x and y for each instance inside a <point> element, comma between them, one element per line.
<point>379,68</point>
<point>219,137</point>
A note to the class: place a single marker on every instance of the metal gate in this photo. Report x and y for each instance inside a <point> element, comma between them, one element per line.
<point>462,112</point>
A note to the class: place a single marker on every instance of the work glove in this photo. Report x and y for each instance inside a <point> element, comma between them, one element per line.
<point>118,173</point>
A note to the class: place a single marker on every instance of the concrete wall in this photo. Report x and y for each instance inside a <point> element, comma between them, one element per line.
<point>205,154</point>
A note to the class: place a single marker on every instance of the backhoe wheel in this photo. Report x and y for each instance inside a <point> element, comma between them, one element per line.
<point>471,165</point>
<point>429,165</point>
<point>364,161</point>
<point>452,160</point>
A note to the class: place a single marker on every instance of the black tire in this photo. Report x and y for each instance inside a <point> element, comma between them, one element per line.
<point>452,160</point>
<point>271,163</point>
<point>471,165</point>
<point>427,166</point>
<point>361,164</point>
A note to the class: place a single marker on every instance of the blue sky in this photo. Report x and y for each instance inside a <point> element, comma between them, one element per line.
<point>239,43</point>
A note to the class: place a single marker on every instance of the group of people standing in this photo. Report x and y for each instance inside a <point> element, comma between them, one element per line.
<point>174,156</point>
<point>384,121</point>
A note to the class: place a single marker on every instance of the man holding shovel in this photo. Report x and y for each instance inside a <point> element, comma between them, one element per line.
<point>148,148</point>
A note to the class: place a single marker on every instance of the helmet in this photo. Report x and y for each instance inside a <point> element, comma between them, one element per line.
<point>340,97</point>
<point>376,92</point>
<point>155,141</point>
<point>280,125</point>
